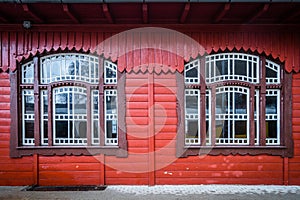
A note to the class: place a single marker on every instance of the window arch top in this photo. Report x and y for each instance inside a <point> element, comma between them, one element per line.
<point>69,66</point>
<point>232,66</point>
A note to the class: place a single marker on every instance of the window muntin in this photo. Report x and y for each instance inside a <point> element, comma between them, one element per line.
<point>232,66</point>
<point>232,115</point>
<point>69,81</point>
<point>111,117</point>
<point>71,66</point>
<point>69,116</point>
<point>272,72</point>
<point>237,92</point>
<point>192,72</point>
<point>27,73</point>
<point>192,116</point>
<point>273,117</point>
<point>27,117</point>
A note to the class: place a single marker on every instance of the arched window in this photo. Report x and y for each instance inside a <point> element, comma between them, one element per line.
<point>235,103</point>
<point>69,104</point>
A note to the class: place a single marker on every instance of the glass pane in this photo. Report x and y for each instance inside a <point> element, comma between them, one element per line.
<point>191,104</point>
<point>271,129</point>
<point>29,104</point>
<point>240,129</point>
<point>192,73</point>
<point>192,129</point>
<point>221,103</point>
<point>80,129</point>
<point>219,128</point>
<point>110,73</point>
<point>80,102</point>
<point>55,71</point>
<point>84,68</point>
<point>111,129</point>
<point>207,129</point>
<point>61,104</point>
<point>240,67</point>
<point>45,129</point>
<point>111,105</point>
<point>240,103</point>
<point>207,104</point>
<point>271,73</point>
<point>29,129</point>
<point>271,105</point>
<point>61,128</point>
<point>45,103</point>
<point>71,67</point>
<point>95,106</point>
<point>95,129</point>
<point>222,67</point>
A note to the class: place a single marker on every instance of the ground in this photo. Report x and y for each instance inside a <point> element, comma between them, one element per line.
<point>216,192</point>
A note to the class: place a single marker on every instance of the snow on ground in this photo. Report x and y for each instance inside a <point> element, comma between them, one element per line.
<point>205,189</point>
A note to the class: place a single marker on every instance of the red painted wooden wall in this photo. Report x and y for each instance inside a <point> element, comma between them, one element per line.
<point>150,99</point>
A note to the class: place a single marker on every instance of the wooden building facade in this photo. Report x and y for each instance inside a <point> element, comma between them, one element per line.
<point>148,93</point>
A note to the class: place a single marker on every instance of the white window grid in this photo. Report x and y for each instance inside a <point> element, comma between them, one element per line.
<point>276,68</point>
<point>256,117</point>
<point>208,117</point>
<point>26,117</point>
<point>57,68</point>
<point>95,117</point>
<point>252,66</point>
<point>44,117</point>
<point>70,117</point>
<point>113,117</point>
<point>231,140</point>
<point>28,73</point>
<point>188,116</point>
<point>189,66</point>
<point>110,66</point>
<point>274,117</point>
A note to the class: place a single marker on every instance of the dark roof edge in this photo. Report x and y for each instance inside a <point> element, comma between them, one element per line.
<point>141,1</point>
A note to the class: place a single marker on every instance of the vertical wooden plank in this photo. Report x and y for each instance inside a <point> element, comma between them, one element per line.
<point>78,40</point>
<point>213,115</point>
<point>13,40</point>
<point>285,171</point>
<point>101,99</point>
<point>49,41</point>
<point>5,51</point>
<point>36,102</point>
<point>56,41</point>
<point>252,122</point>
<point>35,169</point>
<point>262,136</point>
<point>151,128</point>
<point>0,50</point>
<point>50,115</point>
<point>202,102</point>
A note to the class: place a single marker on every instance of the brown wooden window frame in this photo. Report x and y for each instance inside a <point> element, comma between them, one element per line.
<point>284,149</point>
<point>19,150</point>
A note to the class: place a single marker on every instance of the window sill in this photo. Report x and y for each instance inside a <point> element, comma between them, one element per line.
<point>282,151</point>
<point>69,150</point>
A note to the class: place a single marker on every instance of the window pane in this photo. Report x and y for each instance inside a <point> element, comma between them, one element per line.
<point>271,73</point>
<point>271,105</point>
<point>80,102</point>
<point>111,105</point>
<point>61,128</point>
<point>29,104</point>
<point>27,73</point>
<point>191,104</point>
<point>80,129</point>
<point>240,67</point>
<point>111,129</point>
<point>221,103</point>
<point>95,129</point>
<point>193,73</point>
<point>29,129</point>
<point>110,72</point>
<point>271,129</point>
<point>240,103</point>
<point>192,129</point>
<point>61,103</point>
<point>222,67</point>
<point>240,129</point>
<point>219,128</point>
